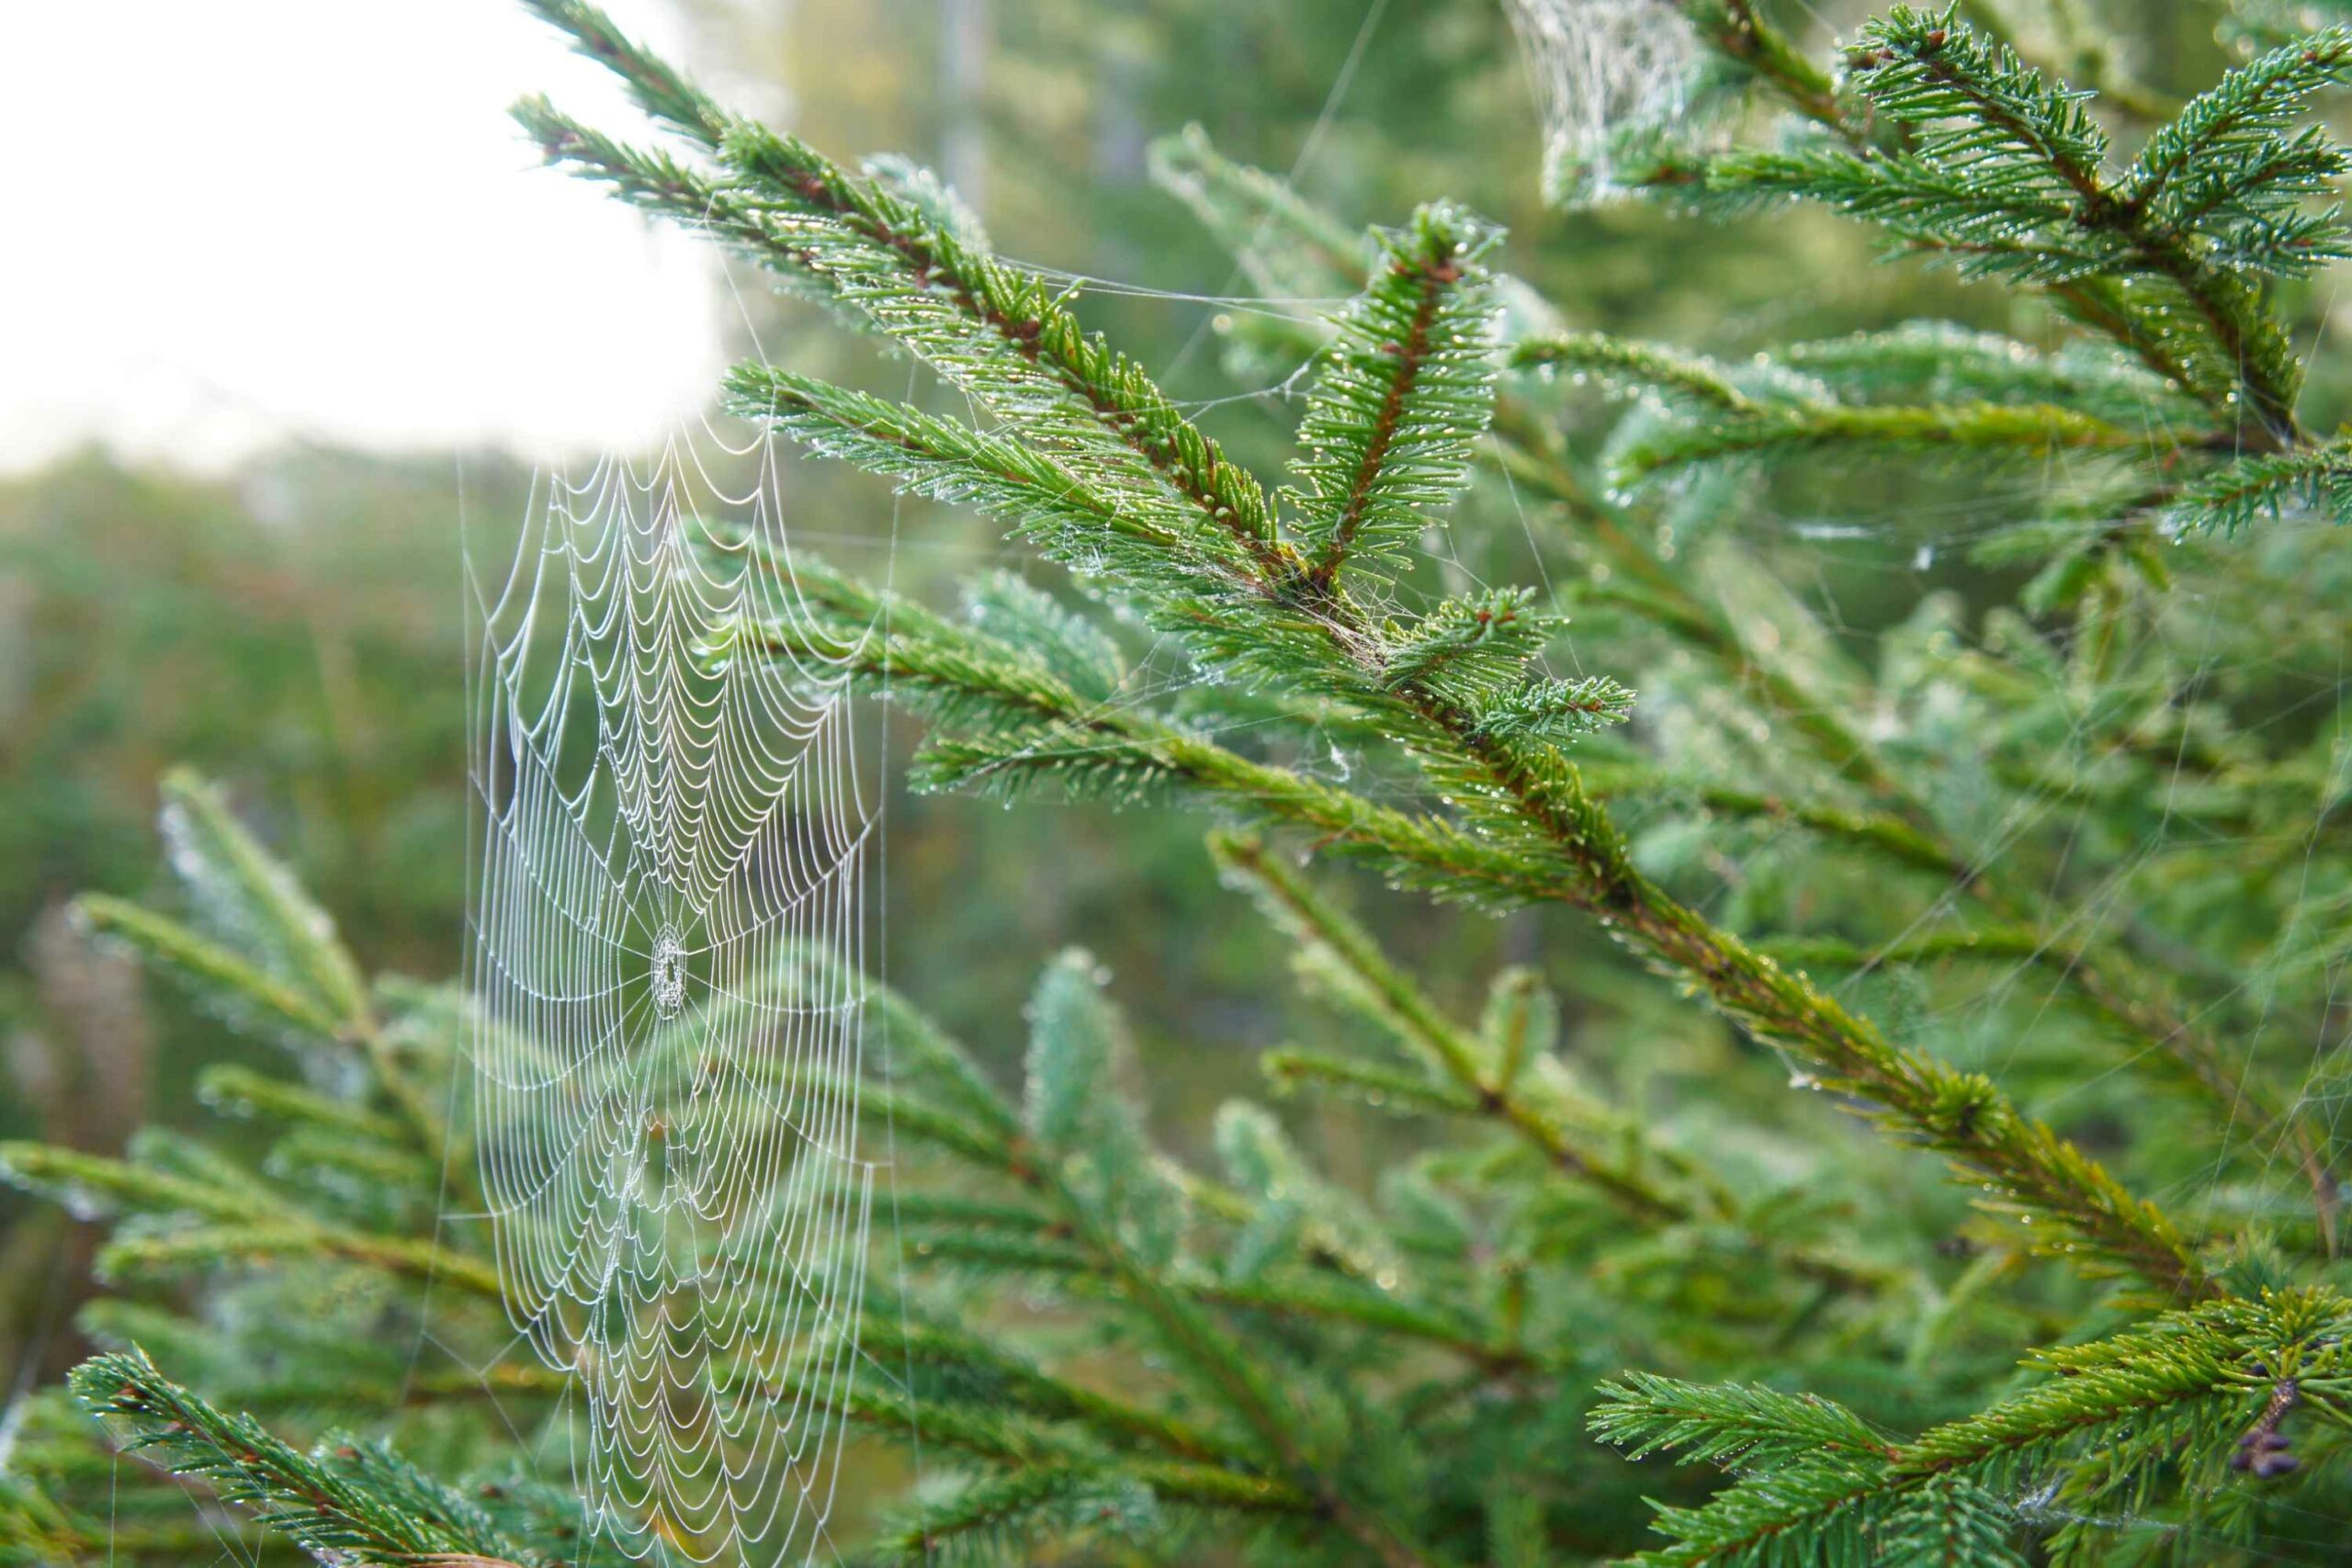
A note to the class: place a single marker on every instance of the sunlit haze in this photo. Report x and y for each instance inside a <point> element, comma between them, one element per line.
<point>255,220</point>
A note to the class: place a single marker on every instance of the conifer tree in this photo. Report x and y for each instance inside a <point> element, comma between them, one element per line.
<point>1975,1321</point>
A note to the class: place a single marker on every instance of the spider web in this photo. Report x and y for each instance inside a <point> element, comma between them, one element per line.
<point>1607,73</point>
<point>668,928</point>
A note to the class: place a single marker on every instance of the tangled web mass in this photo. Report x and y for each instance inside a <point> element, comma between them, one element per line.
<point>667,936</point>
<point>1614,78</point>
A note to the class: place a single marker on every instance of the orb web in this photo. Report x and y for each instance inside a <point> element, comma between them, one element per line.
<point>668,922</point>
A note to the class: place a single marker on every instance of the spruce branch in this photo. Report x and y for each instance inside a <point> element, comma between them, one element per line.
<point>261,948</point>
<point>983,1372</point>
<point>656,183</point>
<point>1328,1300</point>
<point>1079,1502</point>
<point>992,1436</point>
<point>1884,834</point>
<point>2186,1386</point>
<point>1400,399</point>
<point>2313,480</point>
<point>1555,845</point>
<point>313,1500</point>
<point>254,901</point>
<point>1069,1052</point>
<point>1229,614</point>
<point>1960,1114</point>
<point>1993,944</point>
<point>242,1220</point>
<point>1377,1085</point>
<point>1943,364</point>
<point>2113,980</point>
<point>1079,1155</point>
<point>1468,646</point>
<point>1551,713</point>
<point>240,1091</point>
<point>1684,377</point>
<point>1006,342</point>
<point>942,460</point>
<point>1306,1296</point>
<point>1014,612</point>
<point>1285,1363</point>
<point>1982,431</point>
<point>96,1184</point>
<point>1022,355</point>
<point>1950,1519</point>
<point>2232,162</point>
<point>1733,1425</point>
<point>2005,174</point>
<point>1339,942</point>
<point>1000,337</point>
<point>1535,459</point>
<point>1483,1079</point>
<point>205,965</point>
<point>658,89</point>
<point>975,1522</point>
<point>212,1244</point>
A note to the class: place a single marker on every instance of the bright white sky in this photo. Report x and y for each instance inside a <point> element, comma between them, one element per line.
<point>239,221</point>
